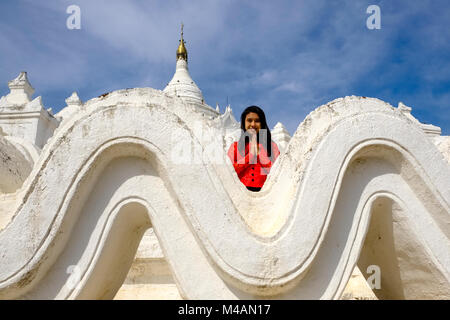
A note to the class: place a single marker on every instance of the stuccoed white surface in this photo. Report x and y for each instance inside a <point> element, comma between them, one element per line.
<point>350,162</point>
<point>14,167</point>
<point>443,145</point>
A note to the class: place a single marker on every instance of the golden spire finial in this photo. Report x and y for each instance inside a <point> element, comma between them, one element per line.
<point>181,51</point>
<point>182,26</point>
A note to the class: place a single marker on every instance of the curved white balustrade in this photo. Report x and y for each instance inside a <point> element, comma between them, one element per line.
<point>109,172</point>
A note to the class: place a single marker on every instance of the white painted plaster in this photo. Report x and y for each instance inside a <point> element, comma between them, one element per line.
<point>299,238</point>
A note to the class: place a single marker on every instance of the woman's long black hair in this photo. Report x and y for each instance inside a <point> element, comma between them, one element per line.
<point>264,132</point>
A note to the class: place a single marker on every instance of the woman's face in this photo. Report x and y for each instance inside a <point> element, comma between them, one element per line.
<point>252,122</point>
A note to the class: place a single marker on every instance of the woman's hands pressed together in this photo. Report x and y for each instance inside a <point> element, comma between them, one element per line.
<point>252,126</point>
<point>254,148</point>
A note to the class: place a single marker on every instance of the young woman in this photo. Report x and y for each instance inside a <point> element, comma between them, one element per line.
<point>253,155</point>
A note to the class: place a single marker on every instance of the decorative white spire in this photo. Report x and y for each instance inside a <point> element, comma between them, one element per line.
<point>227,119</point>
<point>21,90</point>
<point>281,136</point>
<point>182,84</point>
<point>429,129</point>
<point>74,104</point>
<point>74,100</point>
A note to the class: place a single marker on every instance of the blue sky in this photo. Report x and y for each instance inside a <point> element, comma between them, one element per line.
<point>288,57</point>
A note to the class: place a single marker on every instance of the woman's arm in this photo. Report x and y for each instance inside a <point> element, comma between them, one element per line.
<point>240,163</point>
<point>264,160</point>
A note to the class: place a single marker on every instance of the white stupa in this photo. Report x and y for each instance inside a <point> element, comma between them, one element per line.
<point>184,87</point>
<point>281,136</point>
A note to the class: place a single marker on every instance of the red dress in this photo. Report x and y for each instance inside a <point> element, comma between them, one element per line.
<point>251,170</point>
